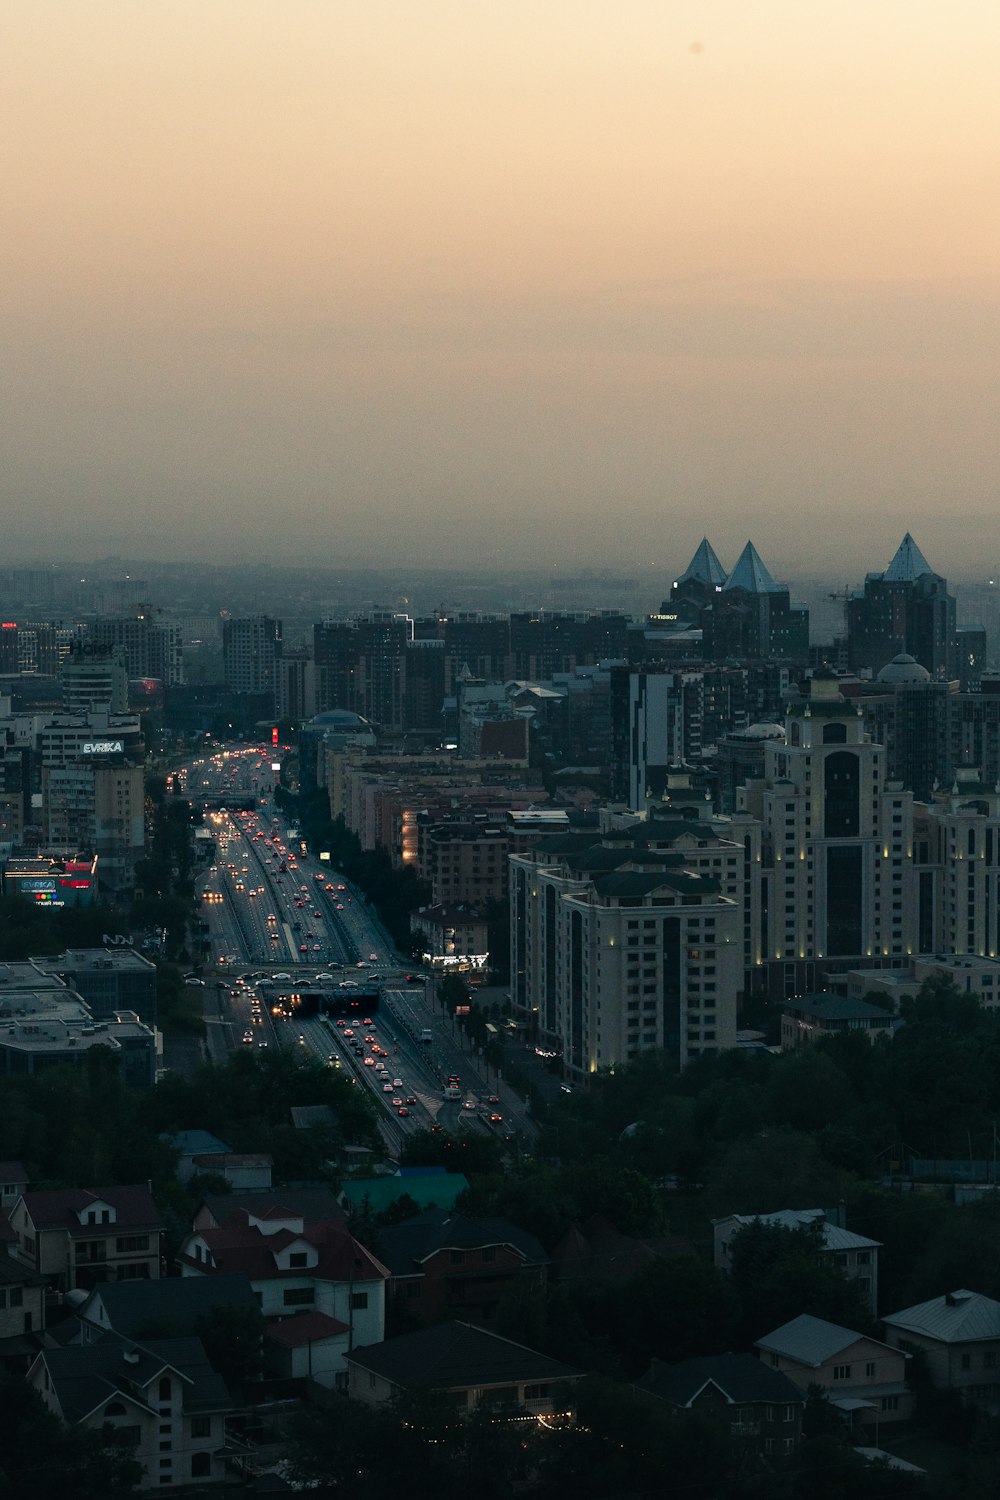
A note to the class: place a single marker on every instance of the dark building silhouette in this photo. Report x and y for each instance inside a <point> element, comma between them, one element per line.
<point>695,589</point>
<point>751,618</point>
<point>905,609</point>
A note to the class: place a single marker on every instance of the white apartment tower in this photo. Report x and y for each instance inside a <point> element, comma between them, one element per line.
<point>623,940</point>
<point>837,879</point>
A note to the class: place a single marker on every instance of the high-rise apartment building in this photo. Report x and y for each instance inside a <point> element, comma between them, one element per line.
<point>382,641</point>
<point>153,646</point>
<point>625,940</point>
<point>95,676</point>
<point>837,846</point>
<point>251,649</point>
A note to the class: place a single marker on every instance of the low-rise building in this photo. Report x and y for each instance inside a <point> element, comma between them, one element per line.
<point>162,1399</point>
<point>852,1254</point>
<point>311,1346</point>
<point>174,1303</point>
<point>473,1366</point>
<point>808,1020</point>
<point>761,1407</point>
<point>294,1265</point>
<point>454,937</point>
<point>442,1263</point>
<point>77,1237</point>
<point>22,1313</point>
<point>862,1377</point>
<point>109,979</point>
<point>959,1337</point>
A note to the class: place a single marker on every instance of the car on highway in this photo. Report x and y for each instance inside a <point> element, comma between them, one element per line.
<point>402,1110</point>
<point>409,1099</point>
<point>387,1088</point>
<point>369,1062</point>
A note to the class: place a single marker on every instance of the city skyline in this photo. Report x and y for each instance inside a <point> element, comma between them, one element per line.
<point>555,286</point>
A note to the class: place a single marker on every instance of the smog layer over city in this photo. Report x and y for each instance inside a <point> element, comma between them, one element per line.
<point>499,749</point>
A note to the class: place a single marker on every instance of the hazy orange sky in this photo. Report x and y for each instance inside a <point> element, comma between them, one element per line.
<point>552,281</point>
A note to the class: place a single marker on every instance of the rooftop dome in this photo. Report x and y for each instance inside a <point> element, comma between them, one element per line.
<point>903,669</point>
<point>764,731</point>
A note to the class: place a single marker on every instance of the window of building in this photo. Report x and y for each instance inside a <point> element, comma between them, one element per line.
<point>299,1296</point>
<point>298,1259</point>
<point>359,1301</point>
<point>201,1427</point>
<point>841,1372</point>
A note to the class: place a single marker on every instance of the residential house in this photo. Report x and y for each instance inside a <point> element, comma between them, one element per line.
<point>245,1171</point>
<point>22,1313</point>
<point>761,1407</point>
<point>189,1145</point>
<point>172,1305</point>
<point>441,1263</point>
<point>77,1237</point>
<point>853,1254</point>
<point>862,1377</point>
<point>162,1398</point>
<point>311,1346</point>
<point>475,1367</point>
<point>13,1181</point>
<point>959,1337</point>
<point>274,1205</point>
<point>295,1265</point>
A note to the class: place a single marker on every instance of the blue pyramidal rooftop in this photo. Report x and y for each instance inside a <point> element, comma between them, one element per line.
<point>750,574</point>
<point>704,566</point>
<point>908,564</point>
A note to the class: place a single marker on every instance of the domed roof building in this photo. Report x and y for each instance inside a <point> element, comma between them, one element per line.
<point>903,671</point>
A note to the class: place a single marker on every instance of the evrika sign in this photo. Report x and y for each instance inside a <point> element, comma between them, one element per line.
<point>103,747</point>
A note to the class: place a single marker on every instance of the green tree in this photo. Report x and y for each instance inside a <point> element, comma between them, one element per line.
<point>778,1273</point>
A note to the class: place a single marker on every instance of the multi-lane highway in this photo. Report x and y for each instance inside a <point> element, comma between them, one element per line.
<point>299,959</point>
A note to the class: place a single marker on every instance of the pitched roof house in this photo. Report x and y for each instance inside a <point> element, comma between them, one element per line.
<point>471,1364</point>
<point>864,1378</point>
<point>760,1406</point>
<point>295,1265</point>
<point>78,1237</point>
<point>163,1399</point>
<point>959,1336</point>
<point>441,1263</point>
<point>853,1254</point>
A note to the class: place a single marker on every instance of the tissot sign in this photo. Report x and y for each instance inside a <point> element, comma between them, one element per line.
<point>103,747</point>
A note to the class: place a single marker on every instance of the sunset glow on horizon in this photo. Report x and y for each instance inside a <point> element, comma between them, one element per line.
<point>354,273</point>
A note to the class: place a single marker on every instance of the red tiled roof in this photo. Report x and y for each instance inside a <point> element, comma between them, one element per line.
<point>307,1328</point>
<point>58,1208</point>
<point>240,1247</point>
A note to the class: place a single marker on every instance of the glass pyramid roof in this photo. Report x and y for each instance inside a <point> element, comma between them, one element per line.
<point>908,563</point>
<point>704,566</point>
<point>751,575</point>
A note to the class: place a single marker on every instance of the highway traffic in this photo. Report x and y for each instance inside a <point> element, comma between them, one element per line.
<point>299,959</point>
